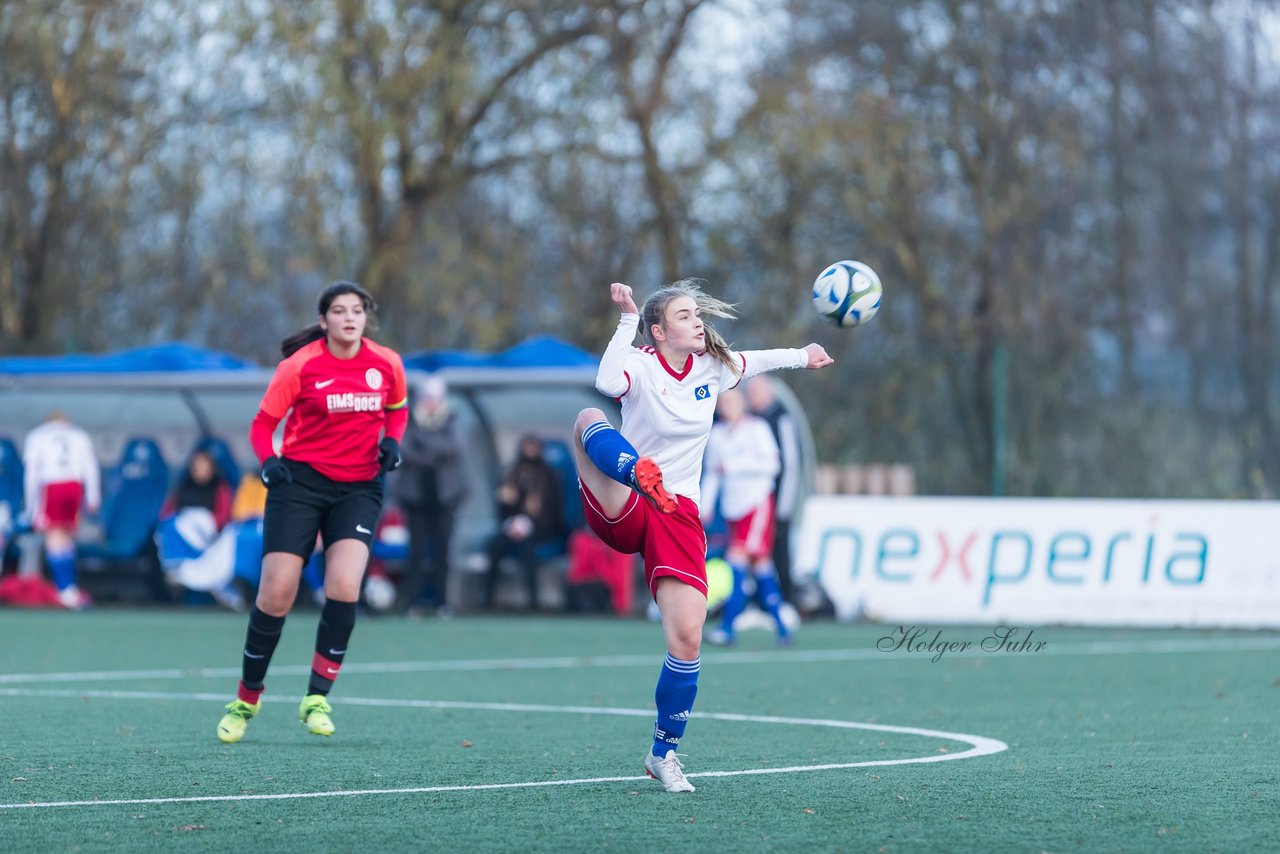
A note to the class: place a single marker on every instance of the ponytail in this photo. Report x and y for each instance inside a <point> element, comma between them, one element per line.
<point>300,339</point>
<point>655,311</point>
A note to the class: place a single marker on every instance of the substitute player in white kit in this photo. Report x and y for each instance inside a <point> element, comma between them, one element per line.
<point>742,462</point>
<point>61,475</point>
<point>668,393</point>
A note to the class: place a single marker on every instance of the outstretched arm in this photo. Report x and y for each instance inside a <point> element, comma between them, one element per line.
<point>760,361</point>
<point>611,378</point>
<point>818,357</point>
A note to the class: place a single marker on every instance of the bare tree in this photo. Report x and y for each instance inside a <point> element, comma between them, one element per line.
<point>644,39</point>
<point>416,100</point>
<point>65,83</point>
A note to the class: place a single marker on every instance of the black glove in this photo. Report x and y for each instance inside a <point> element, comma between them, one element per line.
<point>388,454</point>
<point>275,472</point>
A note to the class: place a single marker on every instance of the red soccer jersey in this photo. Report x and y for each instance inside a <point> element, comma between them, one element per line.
<point>339,407</point>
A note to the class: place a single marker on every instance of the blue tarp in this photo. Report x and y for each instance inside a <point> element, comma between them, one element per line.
<point>542,351</point>
<point>165,357</point>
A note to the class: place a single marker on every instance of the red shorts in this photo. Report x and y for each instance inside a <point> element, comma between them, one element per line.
<point>753,533</point>
<point>672,544</point>
<point>60,505</point>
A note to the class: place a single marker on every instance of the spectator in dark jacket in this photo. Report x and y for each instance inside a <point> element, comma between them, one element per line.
<point>531,513</point>
<point>430,487</point>
<point>201,485</point>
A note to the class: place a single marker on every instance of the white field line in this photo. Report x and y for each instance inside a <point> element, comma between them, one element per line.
<point>978,745</point>
<point>790,656</point>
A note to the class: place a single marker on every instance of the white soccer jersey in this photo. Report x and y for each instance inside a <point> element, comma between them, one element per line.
<point>59,452</point>
<point>742,461</point>
<point>667,410</point>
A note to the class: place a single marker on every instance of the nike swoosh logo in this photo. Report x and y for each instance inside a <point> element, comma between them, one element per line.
<point>332,669</point>
<point>363,530</point>
<point>248,654</point>
<point>337,652</point>
<point>324,384</point>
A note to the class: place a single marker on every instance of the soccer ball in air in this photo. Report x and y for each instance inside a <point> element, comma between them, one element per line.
<point>847,293</point>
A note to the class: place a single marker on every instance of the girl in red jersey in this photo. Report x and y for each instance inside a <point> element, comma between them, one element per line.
<point>348,398</point>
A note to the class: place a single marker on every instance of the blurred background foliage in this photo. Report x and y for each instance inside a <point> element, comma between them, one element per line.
<point>1086,193</point>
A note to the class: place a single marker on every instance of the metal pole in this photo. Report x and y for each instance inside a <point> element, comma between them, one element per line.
<point>999,414</point>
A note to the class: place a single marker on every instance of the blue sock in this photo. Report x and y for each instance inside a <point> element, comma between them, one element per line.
<point>677,686</point>
<point>771,597</point>
<point>737,601</point>
<point>62,567</point>
<point>610,451</point>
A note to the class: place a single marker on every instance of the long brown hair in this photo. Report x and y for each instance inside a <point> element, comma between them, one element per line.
<point>315,331</point>
<point>655,312</point>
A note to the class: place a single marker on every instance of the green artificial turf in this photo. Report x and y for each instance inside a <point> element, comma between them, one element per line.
<point>1117,740</point>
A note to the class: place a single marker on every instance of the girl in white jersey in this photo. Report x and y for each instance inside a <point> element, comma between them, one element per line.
<point>742,461</point>
<point>668,392</point>
<point>61,476</point>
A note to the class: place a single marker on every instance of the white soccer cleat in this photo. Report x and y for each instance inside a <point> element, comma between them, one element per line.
<point>669,771</point>
<point>73,598</point>
<point>719,637</point>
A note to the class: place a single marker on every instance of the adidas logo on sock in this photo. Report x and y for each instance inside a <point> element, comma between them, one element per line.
<point>623,459</point>
<point>680,716</point>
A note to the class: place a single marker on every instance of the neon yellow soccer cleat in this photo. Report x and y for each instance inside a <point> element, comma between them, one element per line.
<point>232,726</point>
<point>314,712</point>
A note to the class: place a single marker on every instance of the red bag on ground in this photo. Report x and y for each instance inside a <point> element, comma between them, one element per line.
<point>28,591</point>
<point>591,560</point>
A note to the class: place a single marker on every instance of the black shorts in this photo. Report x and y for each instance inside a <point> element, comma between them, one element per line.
<point>315,504</point>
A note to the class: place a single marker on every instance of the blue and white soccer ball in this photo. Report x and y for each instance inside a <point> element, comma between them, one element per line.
<point>847,293</point>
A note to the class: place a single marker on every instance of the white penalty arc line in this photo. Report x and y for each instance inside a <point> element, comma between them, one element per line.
<point>978,746</point>
<point>565,662</point>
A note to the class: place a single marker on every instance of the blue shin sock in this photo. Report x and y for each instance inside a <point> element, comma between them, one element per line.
<point>62,567</point>
<point>737,601</point>
<point>677,686</point>
<point>610,451</point>
<point>771,598</point>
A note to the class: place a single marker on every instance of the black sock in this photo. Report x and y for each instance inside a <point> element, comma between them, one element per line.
<point>259,645</point>
<point>337,619</point>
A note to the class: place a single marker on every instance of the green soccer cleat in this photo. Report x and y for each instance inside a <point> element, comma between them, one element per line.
<point>314,712</point>
<point>232,726</point>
